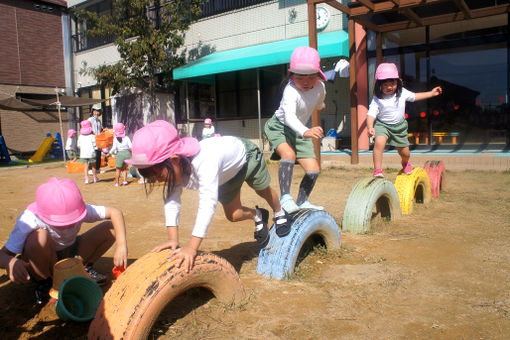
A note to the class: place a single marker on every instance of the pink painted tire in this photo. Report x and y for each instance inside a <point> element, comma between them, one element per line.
<point>437,174</point>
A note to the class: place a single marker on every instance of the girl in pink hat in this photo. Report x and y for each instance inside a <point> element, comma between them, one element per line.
<point>289,137</point>
<point>208,130</point>
<point>386,115</point>
<point>47,231</point>
<point>217,168</point>
<point>71,148</point>
<point>87,146</point>
<point>122,150</point>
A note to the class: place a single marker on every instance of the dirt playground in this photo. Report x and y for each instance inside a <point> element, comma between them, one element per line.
<point>442,272</point>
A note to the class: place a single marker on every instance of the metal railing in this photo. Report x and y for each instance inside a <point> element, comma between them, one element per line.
<point>213,7</point>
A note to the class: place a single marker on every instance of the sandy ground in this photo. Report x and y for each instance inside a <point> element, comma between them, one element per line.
<point>442,272</point>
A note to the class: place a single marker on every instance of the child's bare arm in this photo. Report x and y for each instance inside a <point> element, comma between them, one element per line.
<point>187,253</point>
<point>370,125</point>
<point>173,240</point>
<point>121,251</point>
<point>16,268</point>
<point>436,91</point>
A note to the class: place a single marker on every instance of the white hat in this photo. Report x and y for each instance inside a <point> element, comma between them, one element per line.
<point>96,107</point>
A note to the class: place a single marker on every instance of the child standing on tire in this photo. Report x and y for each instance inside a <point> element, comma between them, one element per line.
<point>386,115</point>
<point>122,150</point>
<point>47,231</point>
<point>217,168</point>
<point>290,139</point>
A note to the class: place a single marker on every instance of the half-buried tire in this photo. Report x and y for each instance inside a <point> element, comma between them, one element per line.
<point>309,228</point>
<point>370,197</point>
<point>136,299</point>
<point>437,175</point>
<point>411,188</point>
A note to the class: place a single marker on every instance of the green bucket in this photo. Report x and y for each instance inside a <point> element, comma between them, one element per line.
<point>79,298</point>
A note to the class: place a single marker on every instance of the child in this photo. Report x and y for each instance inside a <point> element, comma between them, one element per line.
<point>97,128</point>
<point>386,115</point>
<point>217,167</point>
<point>47,230</point>
<point>288,136</point>
<point>71,149</point>
<point>208,130</point>
<point>87,145</point>
<point>122,150</point>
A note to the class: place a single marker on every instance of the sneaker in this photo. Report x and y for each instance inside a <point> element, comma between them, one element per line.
<point>407,169</point>
<point>378,173</point>
<point>95,275</point>
<point>125,183</point>
<point>96,179</point>
<point>308,205</point>
<point>261,233</point>
<point>87,181</point>
<point>288,204</point>
<point>90,172</point>
<point>116,184</point>
<point>42,291</point>
<point>282,224</point>
<point>141,180</point>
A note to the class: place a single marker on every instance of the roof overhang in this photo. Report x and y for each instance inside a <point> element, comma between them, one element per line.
<point>330,44</point>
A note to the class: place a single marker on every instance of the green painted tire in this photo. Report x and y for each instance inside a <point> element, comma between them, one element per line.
<point>368,194</point>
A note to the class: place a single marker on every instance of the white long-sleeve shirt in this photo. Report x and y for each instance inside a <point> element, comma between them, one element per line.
<point>296,107</point>
<point>120,146</point>
<point>71,144</point>
<point>63,237</point>
<point>219,160</point>
<point>87,145</point>
<point>390,109</point>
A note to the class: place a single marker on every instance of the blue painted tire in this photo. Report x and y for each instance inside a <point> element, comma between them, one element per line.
<point>279,257</point>
<point>368,194</point>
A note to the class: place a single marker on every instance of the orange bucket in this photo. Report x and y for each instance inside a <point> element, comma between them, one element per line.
<point>75,167</point>
<point>111,162</point>
<point>105,139</point>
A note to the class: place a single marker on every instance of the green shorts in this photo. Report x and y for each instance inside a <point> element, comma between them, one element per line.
<point>71,154</point>
<point>254,172</point>
<point>87,160</point>
<point>277,133</point>
<point>396,133</point>
<point>70,251</point>
<point>120,158</point>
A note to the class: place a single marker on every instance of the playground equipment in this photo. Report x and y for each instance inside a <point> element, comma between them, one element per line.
<point>368,198</point>
<point>5,158</point>
<point>56,147</point>
<point>309,227</point>
<point>43,149</point>
<point>135,300</point>
<point>437,174</point>
<point>413,187</point>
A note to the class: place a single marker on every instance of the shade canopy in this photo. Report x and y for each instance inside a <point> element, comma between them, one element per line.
<point>12,104</point>
<point>67,101</point>
<point>331,44</point>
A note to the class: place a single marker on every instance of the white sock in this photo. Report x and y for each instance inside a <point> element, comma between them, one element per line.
<point>258,216</point>
<point>279,213</point>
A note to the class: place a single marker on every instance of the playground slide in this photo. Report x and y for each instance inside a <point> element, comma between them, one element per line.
<point>43,150</point>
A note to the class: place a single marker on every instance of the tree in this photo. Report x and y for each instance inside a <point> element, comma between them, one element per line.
<point>147,35</point>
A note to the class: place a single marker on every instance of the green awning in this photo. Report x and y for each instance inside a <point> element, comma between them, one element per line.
<point>331,44</point>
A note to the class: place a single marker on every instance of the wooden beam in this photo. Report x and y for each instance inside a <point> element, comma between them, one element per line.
<point>338,6</point>
<point>461,4</point>
<point>367,3</point>
<point>447,18</point>
<point>367,24</point>
<point>389,6</point>
<point>413,16</point>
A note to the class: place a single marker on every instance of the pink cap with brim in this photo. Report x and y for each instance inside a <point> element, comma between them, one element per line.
<point>120,130</point>
<point>157,141</point>
<point>59,203</point>
<point>306,60</point>
<point>386,71</point>
<point>70,133</point>
<point>86,127</point>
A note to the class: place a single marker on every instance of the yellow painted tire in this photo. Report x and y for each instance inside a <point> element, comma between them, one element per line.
<point>411,188</point>
<point>136,299</point>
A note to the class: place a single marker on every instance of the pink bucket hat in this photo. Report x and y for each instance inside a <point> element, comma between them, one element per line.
<point>306,60</point>
<point>120,130</point>
<point>59,203</point>
<point>71,133</point>
<point>86,127</point>
<point>386,71</point>
<point>157,141</point>
<point>208,121</point>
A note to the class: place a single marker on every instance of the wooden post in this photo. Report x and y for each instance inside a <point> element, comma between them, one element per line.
<point>312,41</point>
<point>61,129</point>
<point>353,91</point>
